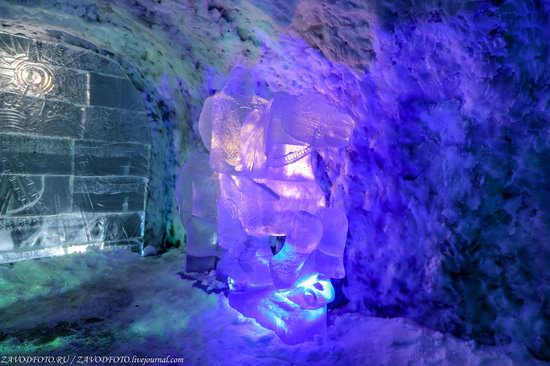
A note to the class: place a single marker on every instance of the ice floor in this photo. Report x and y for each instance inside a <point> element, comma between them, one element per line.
<point>117,303</point>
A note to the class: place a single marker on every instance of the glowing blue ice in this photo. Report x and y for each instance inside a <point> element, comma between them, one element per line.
<point>260,152</point>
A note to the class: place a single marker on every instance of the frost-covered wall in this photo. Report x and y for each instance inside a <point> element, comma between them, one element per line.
<point>446,179</point>
<point>453,160</point>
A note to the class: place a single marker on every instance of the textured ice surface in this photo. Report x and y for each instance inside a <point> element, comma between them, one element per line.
<point>97,158</point>
<point>38,116</point>
<point>309,120</point>
<point>256,149</point>
<point>74,152</point>
<point>108,310</point>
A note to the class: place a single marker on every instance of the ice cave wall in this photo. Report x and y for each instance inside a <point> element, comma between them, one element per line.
<point>446,179</point>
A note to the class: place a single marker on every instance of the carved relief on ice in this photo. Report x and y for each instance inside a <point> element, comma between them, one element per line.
<point>74,150</point>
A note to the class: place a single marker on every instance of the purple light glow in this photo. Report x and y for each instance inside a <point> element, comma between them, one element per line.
<point>260,163</point>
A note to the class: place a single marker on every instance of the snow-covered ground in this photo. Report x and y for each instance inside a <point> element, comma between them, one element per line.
<point>118,303</point>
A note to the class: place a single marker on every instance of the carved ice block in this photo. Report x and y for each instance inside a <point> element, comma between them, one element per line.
<point>109,194</point>
<point>295,315</point>
<point>21,154</point>
<point>309,120</point>
<point>329,256</point>
<point>123,226</point>
<point>57,54</point>
<point>197,189</point>
<point>53,83</point>
<point>109,124</point>
<point>29,115</point>
<point>226,115</point>
<point>84,227</point>
<point>20,235</point>
<point>202,238</point>
<point>30,233</point>
<point>74,58</point>
<point>29,195</point>
<point>114,92</point>
<point>111,158</point>
<point>222,118</point>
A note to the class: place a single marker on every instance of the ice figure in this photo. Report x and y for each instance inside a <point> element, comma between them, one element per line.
<point>261,152</point>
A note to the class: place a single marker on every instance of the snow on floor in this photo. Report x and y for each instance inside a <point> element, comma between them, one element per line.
<point>118,303</point>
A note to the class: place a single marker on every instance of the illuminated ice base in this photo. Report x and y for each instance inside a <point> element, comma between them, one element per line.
<point>273,310</point>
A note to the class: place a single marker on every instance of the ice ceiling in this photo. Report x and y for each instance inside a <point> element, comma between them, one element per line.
<point>445,181</point>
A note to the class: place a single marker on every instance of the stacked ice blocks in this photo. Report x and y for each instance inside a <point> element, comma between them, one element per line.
<point>74,150</point>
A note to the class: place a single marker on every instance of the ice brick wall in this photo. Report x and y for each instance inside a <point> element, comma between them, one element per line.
<point>74,150</point>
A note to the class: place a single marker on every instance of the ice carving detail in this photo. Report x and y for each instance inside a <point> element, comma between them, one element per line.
<point>74,151</point>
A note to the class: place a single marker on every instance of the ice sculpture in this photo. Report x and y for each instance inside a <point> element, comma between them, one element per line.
<point>261,151</point>
<point>74,150</point>
<point>196,195</point>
